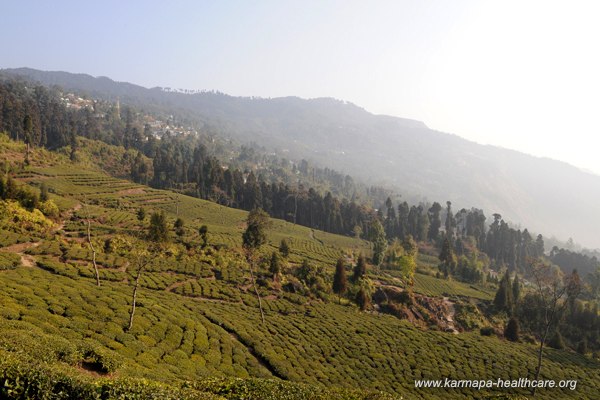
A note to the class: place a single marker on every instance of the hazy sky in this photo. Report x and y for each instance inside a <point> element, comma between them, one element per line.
<point>522,74</point>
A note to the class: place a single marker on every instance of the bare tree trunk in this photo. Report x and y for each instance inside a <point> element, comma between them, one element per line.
<point>89,237</point>
<point>540,355</point>
<point>134,298</point>
<point>250,258</point>
<point>550,288</point>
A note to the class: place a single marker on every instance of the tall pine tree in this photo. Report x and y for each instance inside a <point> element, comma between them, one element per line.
<point>340,284</point>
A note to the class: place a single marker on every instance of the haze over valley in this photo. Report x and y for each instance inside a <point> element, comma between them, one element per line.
<point>418,163</point>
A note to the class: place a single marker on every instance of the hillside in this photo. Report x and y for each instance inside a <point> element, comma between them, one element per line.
<point>197,326</point>
<point>417,161</point>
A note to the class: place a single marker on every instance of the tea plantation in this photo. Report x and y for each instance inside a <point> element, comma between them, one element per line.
<point>197,330</point>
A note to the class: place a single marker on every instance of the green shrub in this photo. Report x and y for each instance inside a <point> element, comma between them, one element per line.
<point>486,331</point>
<point>9,261</point>
<point>99,359</point>
<point>556,341</point>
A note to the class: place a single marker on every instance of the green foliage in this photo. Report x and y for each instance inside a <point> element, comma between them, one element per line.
<point>98,358</point>
<point>141,214</point>
<point>469,269</point>
<point>157,230</point>
<point>24,378</point>
<point>516,290</point>
<point>557,341</point>
<point>407,267</point>
<point>49,209</point>
<point>275,264</point>
<point>179,227</point>
<point>330,336</point>
<point>362,299</point>
<point>203,232</point>
<point>340,284</point>
<point>284,248</point>
<point>276,389</point>
<point>15,218</point>
<point>511,332</point>
<point>486,331</point>
<point>360,269</point>
<point>402,257</point>
<point>313,277</point>
<point>317,341</point>
<point>255,234</point>
<point>9,261</point>
<point>44,196</point>
<point>197,319</point>
<point>379,241</point>
<point>447,257</point>
<point>8,238</point>
<point>431,286</point>
<point>10,190</point>
<point>503,298</point>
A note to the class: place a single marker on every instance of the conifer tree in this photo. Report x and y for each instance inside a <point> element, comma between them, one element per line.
<point>516,290</point>
<point>362,299</point>
<point>284,248</point>
<point>179,227</point>
<point>44,192</point>
<point>447,257</point>
<point>557,341</point>
<point>141,214</point>
<point>203,232</point>
<point>157,230</point>
<point>502,300</point>
<point>379,242</point>
<point>582,347</point>
<point>255,234</point>
<point>340,284</point>
<point>275,265</point>
<point>511,332</point>
<point>360,269</point>
<point>253,238</point>
<point>450,222</point>
<point>435,221</point>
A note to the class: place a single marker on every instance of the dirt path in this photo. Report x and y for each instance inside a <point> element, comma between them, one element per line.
<point>27,260</point>
<point>311,234</point>
<point>67,216</point>
<point>450,315</point>
<point>20,249</point>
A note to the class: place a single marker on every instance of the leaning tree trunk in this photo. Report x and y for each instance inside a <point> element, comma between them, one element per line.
<point>89,238</point>
<point>93,254</point>
<point>541,352</point>
<point>134,298</point>
<point>250,259</point>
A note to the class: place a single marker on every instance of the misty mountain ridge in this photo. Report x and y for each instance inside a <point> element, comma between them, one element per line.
<point>542,194</point>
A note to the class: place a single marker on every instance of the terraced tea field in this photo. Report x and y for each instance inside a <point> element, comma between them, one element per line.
<point>167,341</point>
<point>197,315</point>
<point>177,337</point>
<point>113,203</point>
<point>431,286</point>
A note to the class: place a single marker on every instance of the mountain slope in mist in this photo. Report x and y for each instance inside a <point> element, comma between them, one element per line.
<point>545,195</point>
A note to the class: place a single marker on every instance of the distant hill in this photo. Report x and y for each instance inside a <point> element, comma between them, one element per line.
<point>547,196</point>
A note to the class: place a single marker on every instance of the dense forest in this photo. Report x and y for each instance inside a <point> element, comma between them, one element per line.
<point>318,198</point>
<point>420,163</point>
